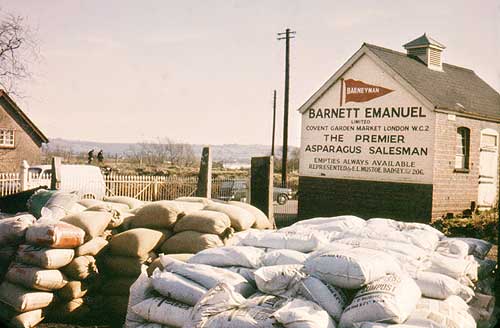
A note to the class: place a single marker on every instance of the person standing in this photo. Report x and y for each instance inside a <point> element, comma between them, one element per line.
<point>90,156</point>
<point>100,156</point>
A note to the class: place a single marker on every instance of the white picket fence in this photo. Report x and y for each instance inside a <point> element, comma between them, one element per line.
<point>144,187</point>
<point>10,183</point>
<point>147,187</point>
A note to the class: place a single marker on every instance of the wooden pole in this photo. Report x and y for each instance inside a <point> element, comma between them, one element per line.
<point>204,187</point>
<point>288,35</point>
<point>55,180</point>
<point>261,185</point>
<point>274,122</point>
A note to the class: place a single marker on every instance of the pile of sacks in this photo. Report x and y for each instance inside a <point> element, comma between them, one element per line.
<point>182,227</point>
<point>120,238</point>
<point>324,272</point>
<point>128,254</point>
<point>47,257</point>
<point>38,272</point>
<point>192,224</point>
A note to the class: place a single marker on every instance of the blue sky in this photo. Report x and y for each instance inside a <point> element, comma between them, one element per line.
<point>204,71</point>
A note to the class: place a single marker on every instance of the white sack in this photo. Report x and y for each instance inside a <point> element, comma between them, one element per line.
<point>420,238</point>
<point>425,239</point>
<point>405,249</point>
<point>13,229</point>
<point>455,268</point>
<point>247,273</point>
<point>177,287</point>
<point>389,299</point>
<point>243,256</point>
<point>450,313</point>
<point>332,224</point>
<point>222,307</point>
<point>140,290</point>
<point>299,241</point>
<point>440,286</point>
<point>303,314</point>
<point>283,257</point>
<point>206,275</point>
<point>329,297</point>
<point>350,268</point>
<point>266,300</point>
<point>408,226</point>
<point>163,310</point>
<point>282,280</point>
<point>453,247</point>
<point>384,224</point>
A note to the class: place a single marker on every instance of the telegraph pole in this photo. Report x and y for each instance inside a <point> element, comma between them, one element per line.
<point>287,36</point>
<point>274,121</point>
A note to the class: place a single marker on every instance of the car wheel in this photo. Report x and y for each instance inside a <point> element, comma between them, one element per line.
<point>282,199</point>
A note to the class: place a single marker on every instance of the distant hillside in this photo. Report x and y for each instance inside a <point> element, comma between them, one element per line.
<point>228,153</point>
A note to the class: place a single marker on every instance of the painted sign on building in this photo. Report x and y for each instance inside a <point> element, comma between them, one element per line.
<point>367,127</point>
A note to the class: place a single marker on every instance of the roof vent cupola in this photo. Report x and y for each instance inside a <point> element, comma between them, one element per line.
<point>427,50</point>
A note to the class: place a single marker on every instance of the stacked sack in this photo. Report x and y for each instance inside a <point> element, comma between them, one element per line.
<point>127,256</point>
<point>192,224</point>
<point>82,300</point>
<point>12,231</point>
<point>56,204</point>
<point>35,275</point>
<point>327,272</point>
<point>168,296</point>
<point>82,272</point>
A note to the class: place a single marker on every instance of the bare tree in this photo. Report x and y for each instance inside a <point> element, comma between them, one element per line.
<point>66,153</point>
<point>163,151</point>
<point>18,50</point>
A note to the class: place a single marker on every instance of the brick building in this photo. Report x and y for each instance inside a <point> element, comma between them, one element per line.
<point>20,139</point>
<point>399,135</point>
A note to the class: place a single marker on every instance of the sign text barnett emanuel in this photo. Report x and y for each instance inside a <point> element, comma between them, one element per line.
<point>371,142</point>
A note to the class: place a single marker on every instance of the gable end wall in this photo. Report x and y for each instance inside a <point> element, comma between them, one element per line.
<point>25,147</point>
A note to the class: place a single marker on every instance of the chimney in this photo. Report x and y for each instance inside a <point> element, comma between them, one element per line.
<point>426,50</point>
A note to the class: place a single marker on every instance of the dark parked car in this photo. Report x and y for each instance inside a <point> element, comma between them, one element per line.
<point>238,190</point>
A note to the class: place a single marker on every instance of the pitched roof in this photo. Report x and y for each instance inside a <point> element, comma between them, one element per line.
<point>423,40</point>
<point>455,89</point>
<point>22,119</point>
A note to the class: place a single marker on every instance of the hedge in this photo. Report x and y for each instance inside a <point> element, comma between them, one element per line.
<point>482,226</point>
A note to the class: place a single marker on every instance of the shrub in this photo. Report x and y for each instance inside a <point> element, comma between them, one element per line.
<point>482,226</point>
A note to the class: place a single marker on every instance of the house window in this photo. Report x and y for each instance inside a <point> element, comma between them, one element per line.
<point>462,150</point>
<point>7,138</point>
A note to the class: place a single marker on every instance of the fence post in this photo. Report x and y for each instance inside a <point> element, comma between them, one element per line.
<point>155,189</point>
<point>55,179</point>
<point>204,186</point>
<point>23,175</point>
<point>261,185</point>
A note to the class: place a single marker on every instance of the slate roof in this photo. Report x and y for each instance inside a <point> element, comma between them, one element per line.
<point>456,88</point>
<point>21,118</point>
<point>423,40</point>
